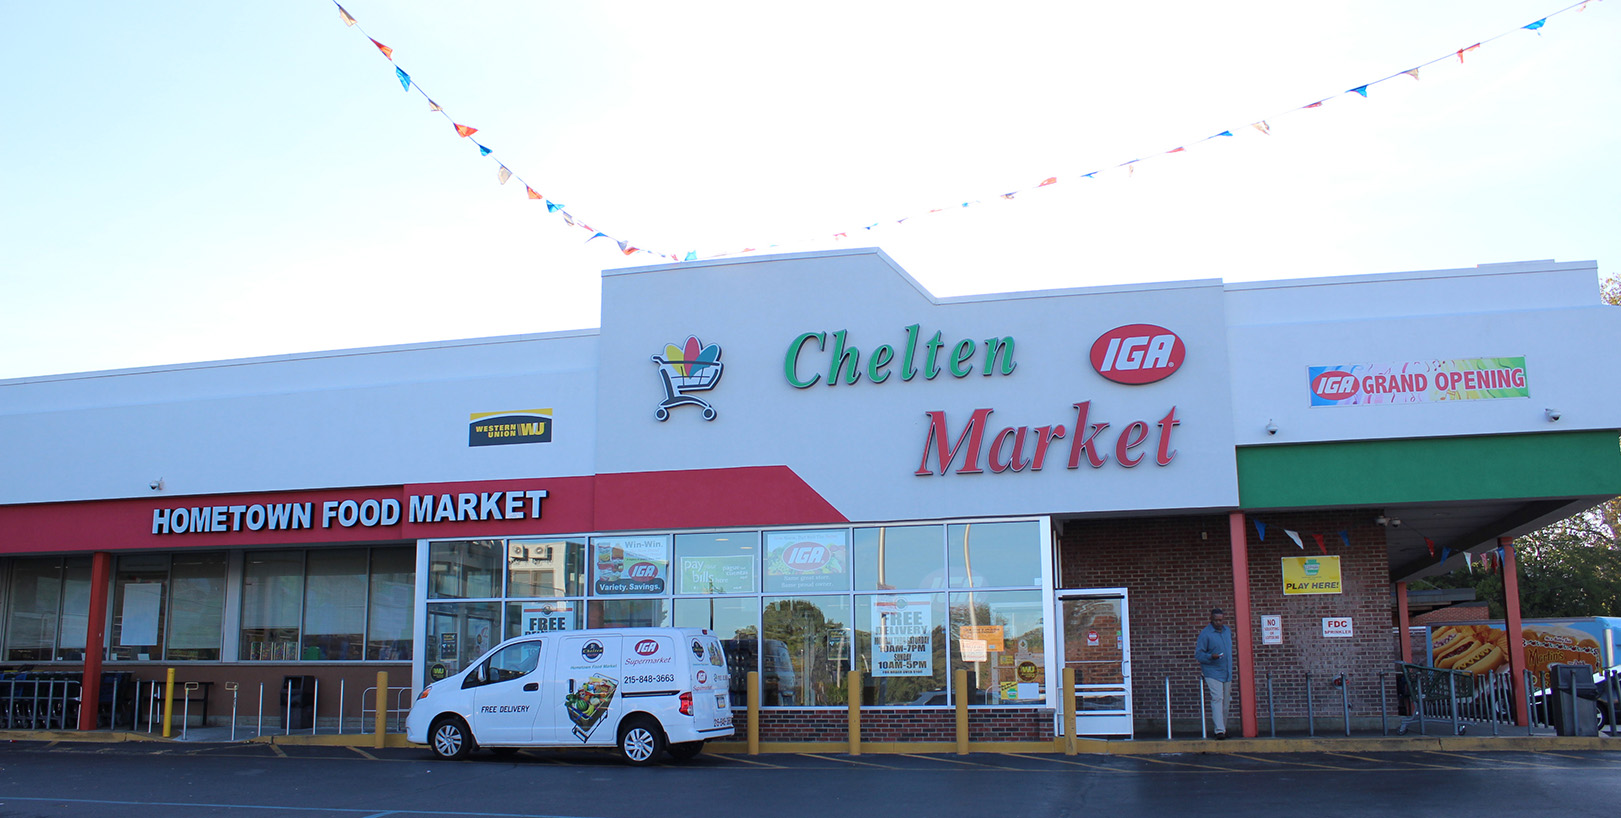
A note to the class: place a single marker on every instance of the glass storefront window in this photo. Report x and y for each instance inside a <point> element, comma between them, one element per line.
<point>458,634</point>
<point>272,593</point>
<point>736,622</point>
<point>139,583</point>
<point>807,561</point>
<point>545,569</point>
<point>997,637</point>
<point>805,650</point>
<point>994,555</point>
<point>901,648</point>
<point>717,563</point>
<point>464,570</point>
<point>628,613</point>
<point>32,610</point>
<point>335,605</point>
<point>542,616</point>
<point>392,604</point>
<point>196,607</point>
<point>900,557</point>
<point>75,608</point>
<point>630,566</point>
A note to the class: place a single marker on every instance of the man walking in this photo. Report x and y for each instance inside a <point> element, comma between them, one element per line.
<point>1214,651</point>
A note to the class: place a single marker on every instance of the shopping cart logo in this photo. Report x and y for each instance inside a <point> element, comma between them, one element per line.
<point>691,367</point>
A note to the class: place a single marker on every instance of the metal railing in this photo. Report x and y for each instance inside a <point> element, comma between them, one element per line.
<point>39,701</point>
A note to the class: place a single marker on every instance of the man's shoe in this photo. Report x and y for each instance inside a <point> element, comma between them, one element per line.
<point>1221,736</point>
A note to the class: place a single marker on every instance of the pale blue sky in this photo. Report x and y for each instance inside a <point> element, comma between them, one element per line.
<point>190,181</point>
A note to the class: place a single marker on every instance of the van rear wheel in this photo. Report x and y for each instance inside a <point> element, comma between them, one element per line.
<point>641,741</point>
<point>685,750</point>
<point>450,739</point>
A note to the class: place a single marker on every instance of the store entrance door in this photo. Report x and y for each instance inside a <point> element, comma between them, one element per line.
<point>1097,645</point>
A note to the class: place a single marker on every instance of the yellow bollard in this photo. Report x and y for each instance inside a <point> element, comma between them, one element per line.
<point>382,709</point>
<point>961,680</point>
<point>168,703</point>
<point>1069,711</point>
<point>853,686</point>
<point>754,712</point>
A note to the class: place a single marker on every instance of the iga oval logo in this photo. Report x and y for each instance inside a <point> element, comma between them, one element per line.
<point>806,556</point>
<point>1334,385</point>
<point>643,570</point>
<point>647,647</point>
<point>1136,354</point>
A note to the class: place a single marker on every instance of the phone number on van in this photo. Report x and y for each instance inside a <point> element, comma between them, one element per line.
<point>648,680</point>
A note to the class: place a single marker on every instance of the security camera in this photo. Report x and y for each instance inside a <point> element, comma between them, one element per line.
<point>1271,428</point>
<point>157,485</point>
<point>1395,522</point>
<point>1551,414</point>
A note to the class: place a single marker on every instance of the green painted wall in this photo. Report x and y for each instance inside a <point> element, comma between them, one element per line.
<point>1566,464</point>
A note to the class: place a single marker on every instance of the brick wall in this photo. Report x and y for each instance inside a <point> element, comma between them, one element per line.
<point>1175,569</point>
<point>885,724</point>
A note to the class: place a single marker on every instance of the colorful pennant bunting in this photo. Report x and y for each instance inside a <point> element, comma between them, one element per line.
<point>1260,528</point>
<point>1320,546</point>
<point>1295,535</point>
<point>1262,126</point>
<point>1430,544</point>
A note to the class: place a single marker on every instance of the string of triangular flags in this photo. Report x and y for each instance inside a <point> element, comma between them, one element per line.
<point>1294,536</point>
<point>503,173</point>
<point>1263,126</point>
<point>1490,561</point>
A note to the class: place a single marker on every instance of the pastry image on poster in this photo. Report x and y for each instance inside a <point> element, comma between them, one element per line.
<point>588,704</point>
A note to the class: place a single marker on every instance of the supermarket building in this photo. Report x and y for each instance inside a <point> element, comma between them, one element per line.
<point>836,471</point>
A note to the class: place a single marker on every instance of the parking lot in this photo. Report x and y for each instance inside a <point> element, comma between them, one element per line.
<point>144,779</point>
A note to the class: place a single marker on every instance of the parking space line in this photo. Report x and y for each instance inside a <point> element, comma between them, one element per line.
<point>958,761</point>
<point>1189,764</point>
<point>846,760</point>
<point>1395,761</point>
<point>1070,762</point>
<point>278,751</point>
<point>748,761</point>
<point>364,754</point>
<point>1287,763</point>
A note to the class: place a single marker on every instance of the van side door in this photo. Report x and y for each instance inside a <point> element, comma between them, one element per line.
<point>508,694</point>
<point>585,703</point>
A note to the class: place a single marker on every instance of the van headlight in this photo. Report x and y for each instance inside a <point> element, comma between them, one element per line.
<point>424,693</point>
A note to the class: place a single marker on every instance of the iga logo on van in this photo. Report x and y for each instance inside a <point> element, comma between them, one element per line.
<point>647,647</point>
<point>1137,354</point>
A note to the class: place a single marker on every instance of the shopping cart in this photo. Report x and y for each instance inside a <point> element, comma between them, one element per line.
<point>681,377</point>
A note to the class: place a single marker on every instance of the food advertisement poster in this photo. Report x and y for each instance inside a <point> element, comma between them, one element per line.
<point>629,565</point>
<point>901,645</point>
<point>717,575</point>
<point>1432,381</point>
<point>990,634</point>
<point>590,669</point>
<point>1311,575</point>
<point>1483,648</point>
<point>807,561</point>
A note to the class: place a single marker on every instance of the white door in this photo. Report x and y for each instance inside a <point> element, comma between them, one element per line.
<point>1097,646</point>
<point>508,697</point>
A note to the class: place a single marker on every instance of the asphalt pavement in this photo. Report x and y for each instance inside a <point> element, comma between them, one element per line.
<point>268,781</point>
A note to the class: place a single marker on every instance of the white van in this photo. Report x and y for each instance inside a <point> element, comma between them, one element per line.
<point>645,690</point>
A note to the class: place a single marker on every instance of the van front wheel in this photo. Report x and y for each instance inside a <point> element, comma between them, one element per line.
<point>450,739</point>
<point>641,741</point>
